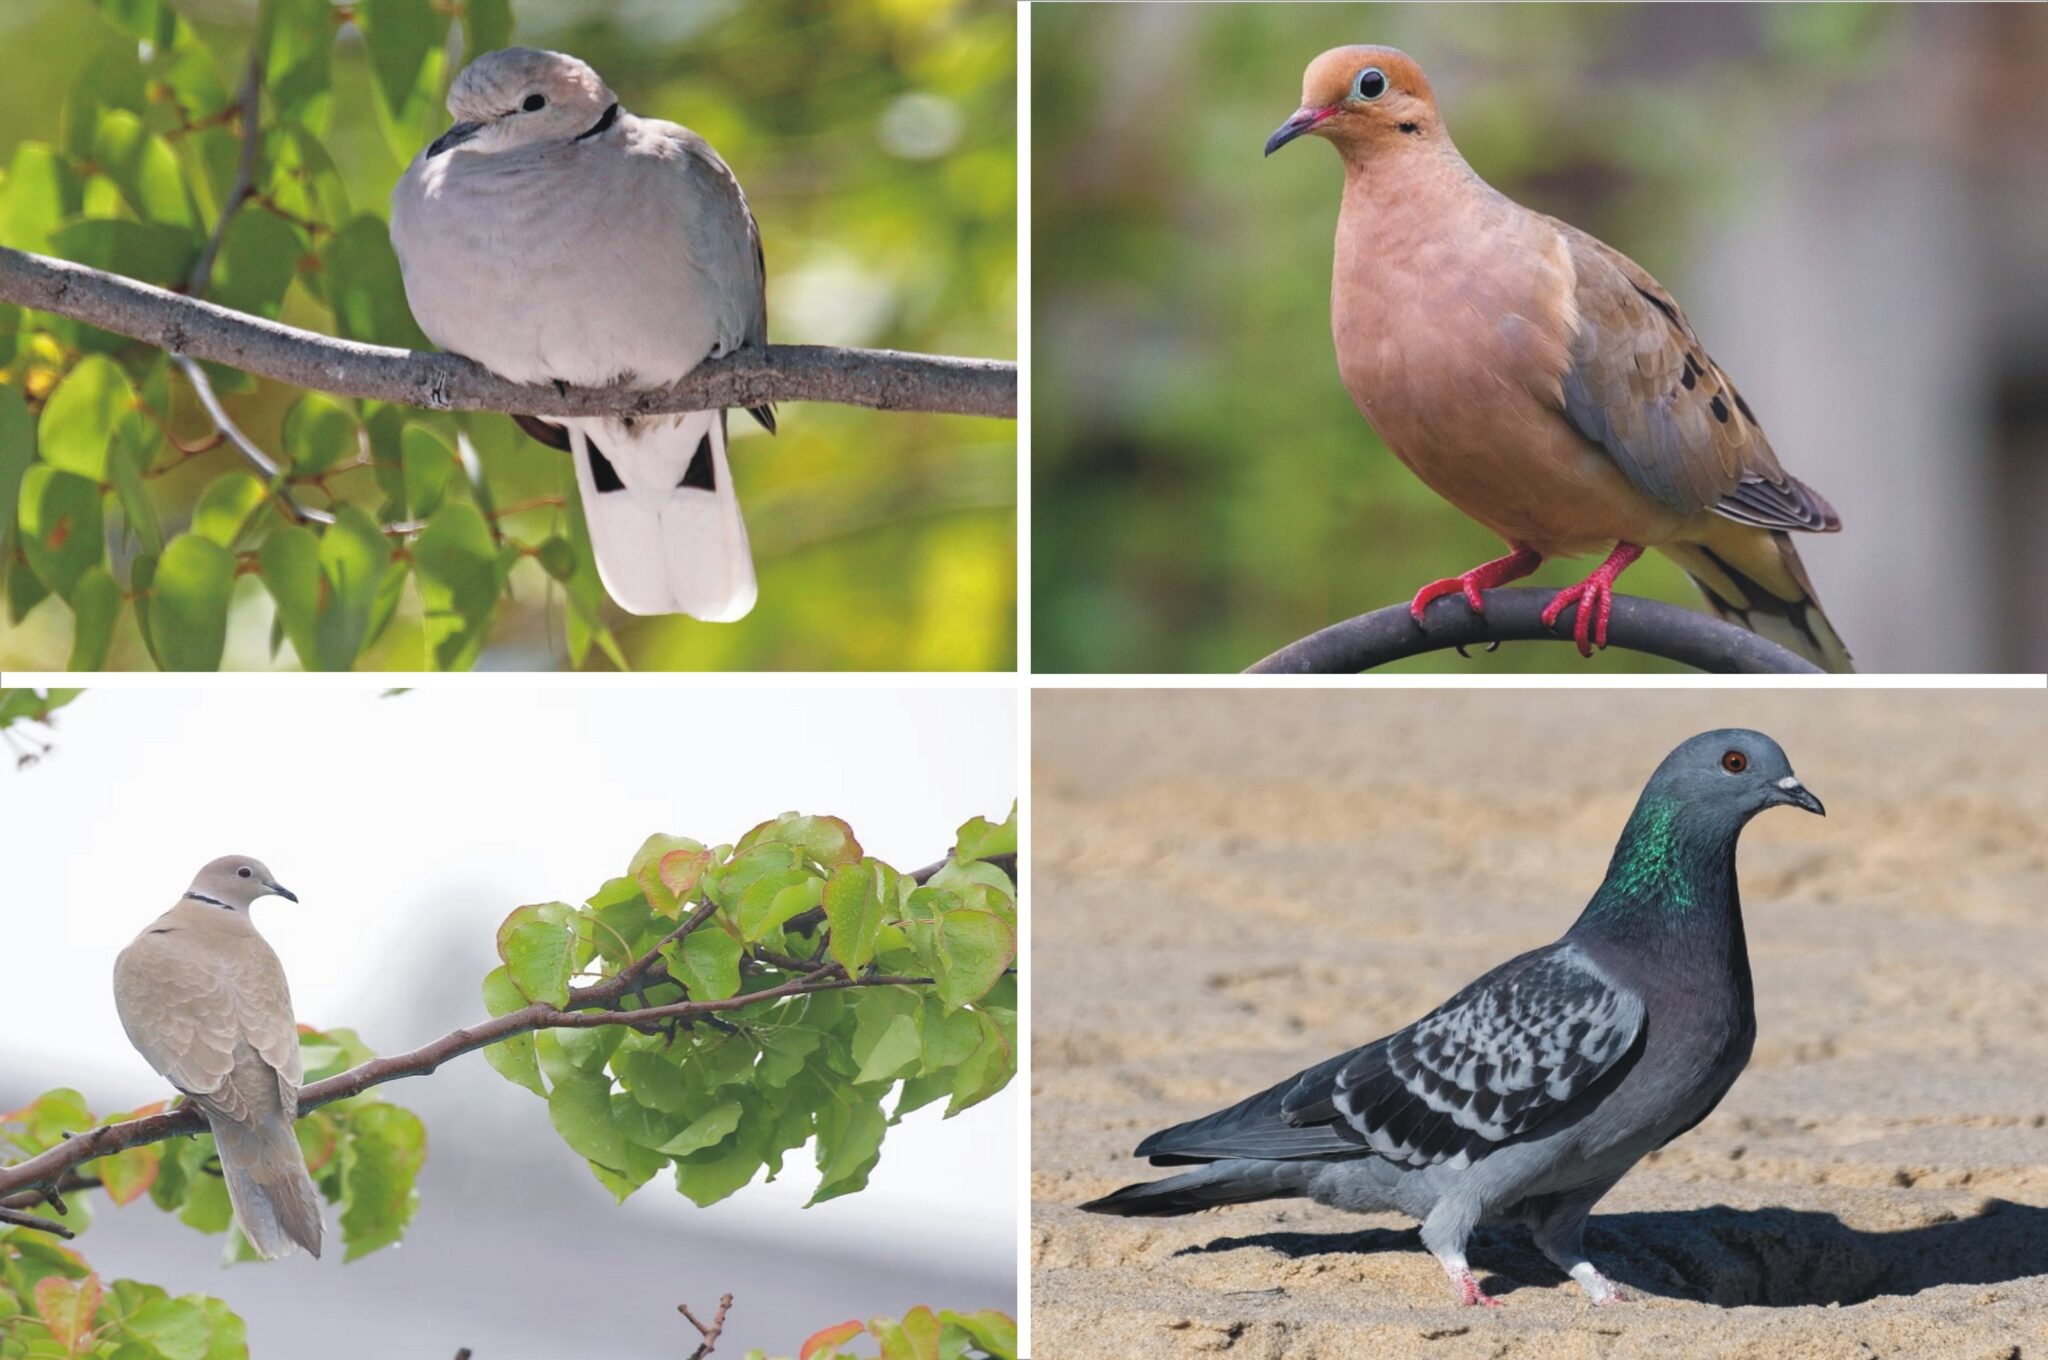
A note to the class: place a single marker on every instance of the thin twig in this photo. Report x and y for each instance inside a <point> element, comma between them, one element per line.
<point>710,1334</point>
<point>244,187</point>
<point>22,1220</point>
<point>885,380</point>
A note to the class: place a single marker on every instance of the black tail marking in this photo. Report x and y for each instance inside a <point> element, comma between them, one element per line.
<point>602,474</point>
<point>701,474</point>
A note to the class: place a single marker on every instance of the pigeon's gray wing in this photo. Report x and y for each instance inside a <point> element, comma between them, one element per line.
<point>1498,1060</point>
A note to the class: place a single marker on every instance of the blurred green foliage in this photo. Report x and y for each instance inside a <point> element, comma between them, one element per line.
<point>1203,489</point>
<point>876,140</point>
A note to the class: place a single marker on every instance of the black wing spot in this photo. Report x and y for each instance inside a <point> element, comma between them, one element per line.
<point>602,474</point>
<point>1719,408</point>
<point>1659,303</point>
<point>1692,365</point>
<point>700,474</point>
<point>1688,379</point>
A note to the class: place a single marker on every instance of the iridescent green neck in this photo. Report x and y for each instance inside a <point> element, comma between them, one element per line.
<point>1657,868</point>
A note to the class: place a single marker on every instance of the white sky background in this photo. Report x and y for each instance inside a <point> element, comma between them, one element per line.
<point>410,825</point>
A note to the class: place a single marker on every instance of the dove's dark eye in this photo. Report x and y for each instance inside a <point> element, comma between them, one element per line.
<point>534,103</point>
<point>243,872</point>
<point>1734,762</point>
<point>1371,83</point>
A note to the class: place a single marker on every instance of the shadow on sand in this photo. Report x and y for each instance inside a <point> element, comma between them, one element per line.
<point>1777,1258</point>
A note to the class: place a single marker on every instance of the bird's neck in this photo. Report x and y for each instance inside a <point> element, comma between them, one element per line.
<point>1671,883</point>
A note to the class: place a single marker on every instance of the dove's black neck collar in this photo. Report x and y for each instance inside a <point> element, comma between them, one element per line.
<point>611,115</point>
<point>210,901</point>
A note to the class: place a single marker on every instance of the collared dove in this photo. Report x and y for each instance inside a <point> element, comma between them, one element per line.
<point>1542,382</point>
<point>553,237</point>
<point>1529,1094</point>
<point>204,1001</point>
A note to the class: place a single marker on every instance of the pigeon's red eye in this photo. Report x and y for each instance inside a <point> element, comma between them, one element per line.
<point>1734,762</point>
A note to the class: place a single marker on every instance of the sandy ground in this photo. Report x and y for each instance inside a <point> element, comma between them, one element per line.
<point>1232,885</point>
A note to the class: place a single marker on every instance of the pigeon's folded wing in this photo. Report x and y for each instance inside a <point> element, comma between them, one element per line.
<point>1511,1053</point>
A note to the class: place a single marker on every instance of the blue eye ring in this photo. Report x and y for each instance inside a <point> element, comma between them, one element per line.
<point>1369,84</point>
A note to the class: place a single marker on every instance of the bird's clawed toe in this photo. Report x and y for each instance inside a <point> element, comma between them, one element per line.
<point>1470,1295</point>
<point>1485,576</point>
<point>1594,597</point>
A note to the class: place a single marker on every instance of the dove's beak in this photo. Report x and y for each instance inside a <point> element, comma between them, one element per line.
<point>1791,791</point>
<point>454,136</point>
<point>281,891</point>
<point>1304,120</point>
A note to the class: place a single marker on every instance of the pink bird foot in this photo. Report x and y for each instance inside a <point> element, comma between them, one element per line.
<point>1485,576</point>
<point>1470,1294</point>
<point>1594,597</point>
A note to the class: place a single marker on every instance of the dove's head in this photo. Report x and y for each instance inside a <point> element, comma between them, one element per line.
<point>1730,775</point>
<point>1365,99</point>
<point>234,881</point>
<point>519,96</point>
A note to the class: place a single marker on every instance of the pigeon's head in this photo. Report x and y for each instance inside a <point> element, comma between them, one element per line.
<point>518,96</point>
<point>1735,772</point>
<point>234,881</point>
<point>1364,99</point>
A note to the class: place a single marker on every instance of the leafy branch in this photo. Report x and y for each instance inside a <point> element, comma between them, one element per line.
<point>189,328</point>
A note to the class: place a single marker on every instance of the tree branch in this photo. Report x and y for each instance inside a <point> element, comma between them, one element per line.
<point>886,380</point>
<point>1515,615</point>
<point>48,1168</point>
<point>710,1333</point>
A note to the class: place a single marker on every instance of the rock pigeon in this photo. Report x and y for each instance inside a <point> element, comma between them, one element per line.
<point>1529,1094</point>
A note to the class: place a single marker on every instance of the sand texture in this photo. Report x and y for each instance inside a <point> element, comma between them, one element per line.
<point>1232,885</point>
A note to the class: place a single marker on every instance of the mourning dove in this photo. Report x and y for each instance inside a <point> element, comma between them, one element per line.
<point>1541,381</point>
<point>553,237</point>
<point>204,1001</point>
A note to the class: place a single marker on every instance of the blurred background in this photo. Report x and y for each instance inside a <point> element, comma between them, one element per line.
<point>1847,200</point>
<point>877,143</point>
<point>409,826</point>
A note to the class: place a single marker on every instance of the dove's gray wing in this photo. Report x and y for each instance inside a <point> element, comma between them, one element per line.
<point>1500,1059</point>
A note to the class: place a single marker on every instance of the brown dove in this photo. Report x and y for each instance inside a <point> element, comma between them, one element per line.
<point>1541,381</point>
<point>204,1001</point>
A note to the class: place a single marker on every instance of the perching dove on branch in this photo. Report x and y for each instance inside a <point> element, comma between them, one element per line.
<point>1541,381</point>
<point>1529,1094</point>
<point>553,237</point>
<point>204,1001</point>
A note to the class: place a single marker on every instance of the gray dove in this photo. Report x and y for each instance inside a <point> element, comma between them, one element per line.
<point>204,1001</point>
<point>553,237</point>
<point>1529,1094</point>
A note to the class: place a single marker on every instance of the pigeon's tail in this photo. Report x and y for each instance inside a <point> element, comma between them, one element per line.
<point>664,517</point>
<point>274,1199</point>
<point>1753,578</point>
<point>1206,1187</point>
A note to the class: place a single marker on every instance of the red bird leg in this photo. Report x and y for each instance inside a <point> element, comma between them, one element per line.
<point>1595,599</point>
<point>1485,576</point>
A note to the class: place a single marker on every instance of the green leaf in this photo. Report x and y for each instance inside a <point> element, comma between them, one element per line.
<point>256,263</point>
<point>61,527</point>
<point>535,945</point>
<point>709,1176</point>
<point>773,898</point>
<point>399,35</point>
<point>386,1147</point>
<point>145,168</point>
<point>175,1329</point>
<point>988,1070</point>
<point>188,608</point>
<point>67,1308</point>
<point>17,451</point>
<point>889,1052</point>
<point>707,1130</point>
<point>487,26</point>
<point>511,1058</point>
<point>297,37</point>
<point>948,1037</point>
<point>979,840</point>
<point>966,948</point>
<point>657,1082</point>
<point>708,963</point>
<point>150,251</point>
<point>459,579</point>
<point>153,21</point>
<point>96,600</point>
<point>827,840</point>
<point>849,1144</point>
<point>319,432</point>
<point>668,869</point>
<point>41,191</point>
<point>580,1108</point>
<point>364,288</point>
<point>994,1332</point>
<point>429,466</point>
<point>327,587</point>
<point>225,506</point>
<point>857,898</point>
<point>90,419</point>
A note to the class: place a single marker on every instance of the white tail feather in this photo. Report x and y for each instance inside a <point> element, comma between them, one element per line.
<point>661,547</point>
